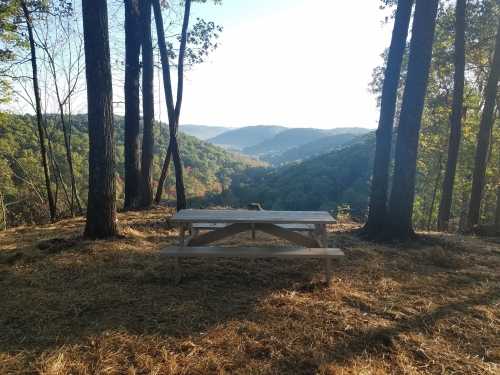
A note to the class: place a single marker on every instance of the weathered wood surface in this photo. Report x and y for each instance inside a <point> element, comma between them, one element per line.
<point>247,216</point>
<point>251,252</point>
<point>219,234</point>
<point>294,227</point>
<point>287,235</point>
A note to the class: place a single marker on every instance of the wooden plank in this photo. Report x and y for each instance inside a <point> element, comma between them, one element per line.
<point>251,252</point>
<point>294,227</point>
<point>287,235</point>
<point>248,216</point>
<point>219,234</point>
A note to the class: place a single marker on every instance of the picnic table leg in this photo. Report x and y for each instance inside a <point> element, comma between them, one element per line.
<point>182,235</point>
<point>324,243</point>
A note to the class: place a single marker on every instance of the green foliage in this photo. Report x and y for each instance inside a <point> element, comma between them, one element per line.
<point>326,182</point>
<point>207,168</point>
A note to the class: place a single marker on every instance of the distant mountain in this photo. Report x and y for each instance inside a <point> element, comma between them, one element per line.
<point>338,178</point>
<point>311,149</point>
<point>285,140</point>
<point>248,136</point>
<point>203,132</point>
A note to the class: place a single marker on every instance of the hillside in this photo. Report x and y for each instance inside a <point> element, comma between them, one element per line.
<point>338,178</point>
<point>284,141</point>
<point>70,306</point>
<point>317,147</point>
<point>203,132</point>
<point>208,168</point>
<point>248,136</point>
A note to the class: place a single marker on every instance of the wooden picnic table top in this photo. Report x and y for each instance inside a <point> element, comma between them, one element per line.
<point>250,216</point>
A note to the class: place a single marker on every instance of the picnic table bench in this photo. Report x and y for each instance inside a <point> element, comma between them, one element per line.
<point>220,224</point>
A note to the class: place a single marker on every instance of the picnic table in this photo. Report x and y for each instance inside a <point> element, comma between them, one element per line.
<point>208,226</point>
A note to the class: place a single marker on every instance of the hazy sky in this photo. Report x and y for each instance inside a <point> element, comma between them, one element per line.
<point>289,62</point>
<point>298,63</point>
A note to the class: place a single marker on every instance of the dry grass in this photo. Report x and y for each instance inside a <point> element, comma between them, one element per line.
<point>73,307</point>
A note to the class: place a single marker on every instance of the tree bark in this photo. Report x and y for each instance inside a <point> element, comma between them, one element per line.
<point>101,210</point>
<point>147,107</point>
<point>173,110</point>
<point>56,170</point>
<point>403,190</point>
<point>39,117</point>
<point>133,38</point>
<point>434,192</point>
<point>163,175</point>
<point>456,117</point>
<point>484,138</point>
<point>3,211</point>
<point>380,181</point>
<point>497,211</point>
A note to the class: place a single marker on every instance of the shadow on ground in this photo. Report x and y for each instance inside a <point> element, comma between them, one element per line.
<point>111,307</point>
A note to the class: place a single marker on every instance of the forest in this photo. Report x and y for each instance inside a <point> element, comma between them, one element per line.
<point>456,180</point>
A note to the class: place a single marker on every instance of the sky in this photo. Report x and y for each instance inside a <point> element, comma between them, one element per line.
<point>298,63</point>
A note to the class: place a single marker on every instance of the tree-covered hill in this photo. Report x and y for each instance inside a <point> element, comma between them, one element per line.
<point>339,178</point>
<point>247,136</point>
<point>285,140</point>
<point>311,149</point>
<point>207,168</point>
<point>296,137</point>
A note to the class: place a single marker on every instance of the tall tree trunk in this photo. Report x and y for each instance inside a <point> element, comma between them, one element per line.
<point>179,179</point>
<point>434,192</point>
<point>403,188</point>
<point>133,38</point>
<point>456,117</point>
<point>3,213</point>
<point>497,211</point>
<point>483,138</point>
<point>380,181</point>
<point>163,175</point>
<point>75,199</point>
<point>39,117</point>
<point>147,106</point>
<point>56,170</point>
<point>101,210</point>
<point>173,110</point>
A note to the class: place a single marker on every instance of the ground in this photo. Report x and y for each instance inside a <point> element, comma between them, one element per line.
<point>69,306</point>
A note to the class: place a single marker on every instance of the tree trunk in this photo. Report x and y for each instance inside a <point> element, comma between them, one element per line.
<point>456,117</point>
<point>132,103</point>
<point>3,213</point>
<point>39,117</point>
<point>163,175</point>
<point>75,199</point>
<point>56,170</point>
<point>147,107</point>
<point>497,211</point>
<point>403,188</point>
<point>380,181</point>
<point>101,210</point>
<point>434,192</point>
<point>173,111</point>
<point>483,138</point>
<point>179,179</point>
